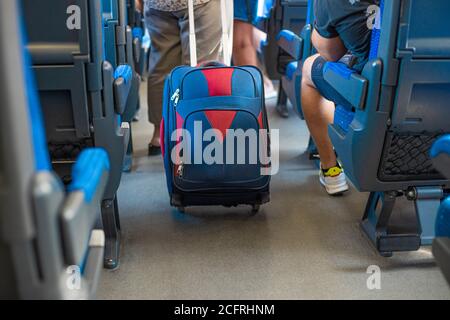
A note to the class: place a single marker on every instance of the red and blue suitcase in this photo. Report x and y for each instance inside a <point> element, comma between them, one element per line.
<point>219,98</point>
<point>205,164</point>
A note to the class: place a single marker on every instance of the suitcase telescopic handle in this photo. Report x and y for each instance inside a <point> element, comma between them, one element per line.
<point>193,40</point>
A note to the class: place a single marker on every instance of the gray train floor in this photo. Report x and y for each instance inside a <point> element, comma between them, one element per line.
<point>302,245</point>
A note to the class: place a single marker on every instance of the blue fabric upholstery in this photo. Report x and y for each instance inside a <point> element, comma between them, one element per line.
<point>442,145</point>
<point>443,219</point>
<point>88,171</point>
<point>376,33</point>
<point>290,69</point>
<point>267,9</point>
<point>110,9</point>
<point>110,17</point>
<point>287,34</point>
<point>343,117</point>
<point>41,154</point>
<point>138,33</point>
<point>124,71</point>
<point>309,16</point>
<point>339,68</point>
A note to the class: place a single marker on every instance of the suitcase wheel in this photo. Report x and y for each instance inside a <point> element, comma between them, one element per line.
<point>181,209</point>
<point>255,209</point>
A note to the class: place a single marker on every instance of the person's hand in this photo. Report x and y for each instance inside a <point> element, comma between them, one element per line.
<point>139,5</point>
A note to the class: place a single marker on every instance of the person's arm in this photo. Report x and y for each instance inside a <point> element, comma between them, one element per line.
<point>331,49</point>
<point>139,5</point>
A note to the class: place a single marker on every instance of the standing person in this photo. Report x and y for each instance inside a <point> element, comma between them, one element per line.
<point>244,52</point>
<point>167,22</point>
<point>246,38</point>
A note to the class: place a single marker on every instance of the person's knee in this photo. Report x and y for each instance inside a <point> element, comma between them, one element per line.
<point>307,70</point>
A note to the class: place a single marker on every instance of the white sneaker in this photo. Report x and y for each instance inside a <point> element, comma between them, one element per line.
<point>334,180</point>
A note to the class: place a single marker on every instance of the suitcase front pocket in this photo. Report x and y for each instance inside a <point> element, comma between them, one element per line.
<point>220,149</point>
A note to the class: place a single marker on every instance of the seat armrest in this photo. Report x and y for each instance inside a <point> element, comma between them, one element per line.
<point>291,43</point>
<point>291,68</point>
<point>138,35</point>
<point>351,85</point>
<point>82,205</point>
<point>125,132</point>
<point>137,45</point>
<point>123,77</point>
<point>133,99</point>
<point>88,170</point>
<point>440,153</point>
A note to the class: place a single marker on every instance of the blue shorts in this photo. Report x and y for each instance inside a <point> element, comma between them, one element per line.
<point>241,8</point>
<point>324,88</point>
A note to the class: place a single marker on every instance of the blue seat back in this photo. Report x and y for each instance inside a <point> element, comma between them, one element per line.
<point>68,65</point>
<point>387,143</point>
<point>110,19</point>
<point>110,9</point>
<point>290,15</point>
<point>294,15</point>
<point>115,19</point>
<point>59,56</point>
<point>41,154</point>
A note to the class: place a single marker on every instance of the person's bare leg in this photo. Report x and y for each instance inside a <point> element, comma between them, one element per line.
<point>258,37</point>
<point>319,113</point>
<point>244,52</point>
<point>156,139</point>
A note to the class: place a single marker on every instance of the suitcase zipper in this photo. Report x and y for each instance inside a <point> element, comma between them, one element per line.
<point>180,170</point>
<point>175,97</point>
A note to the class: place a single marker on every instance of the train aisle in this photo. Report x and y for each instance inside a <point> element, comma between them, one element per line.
<point>302,245</point>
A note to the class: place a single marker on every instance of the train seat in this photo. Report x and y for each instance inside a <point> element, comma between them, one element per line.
<point>81,98</point>
<point>298,47</point>
<point>47,235</point>
<point>290,15</point>
<point>119,51</point>
<point>383,137</point>
<point>440,154</point>
<point>294,48</point>
<point>118,43</point>
<point>135,20</point>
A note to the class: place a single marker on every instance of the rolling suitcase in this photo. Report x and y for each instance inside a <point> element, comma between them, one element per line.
<point>214,133</point>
